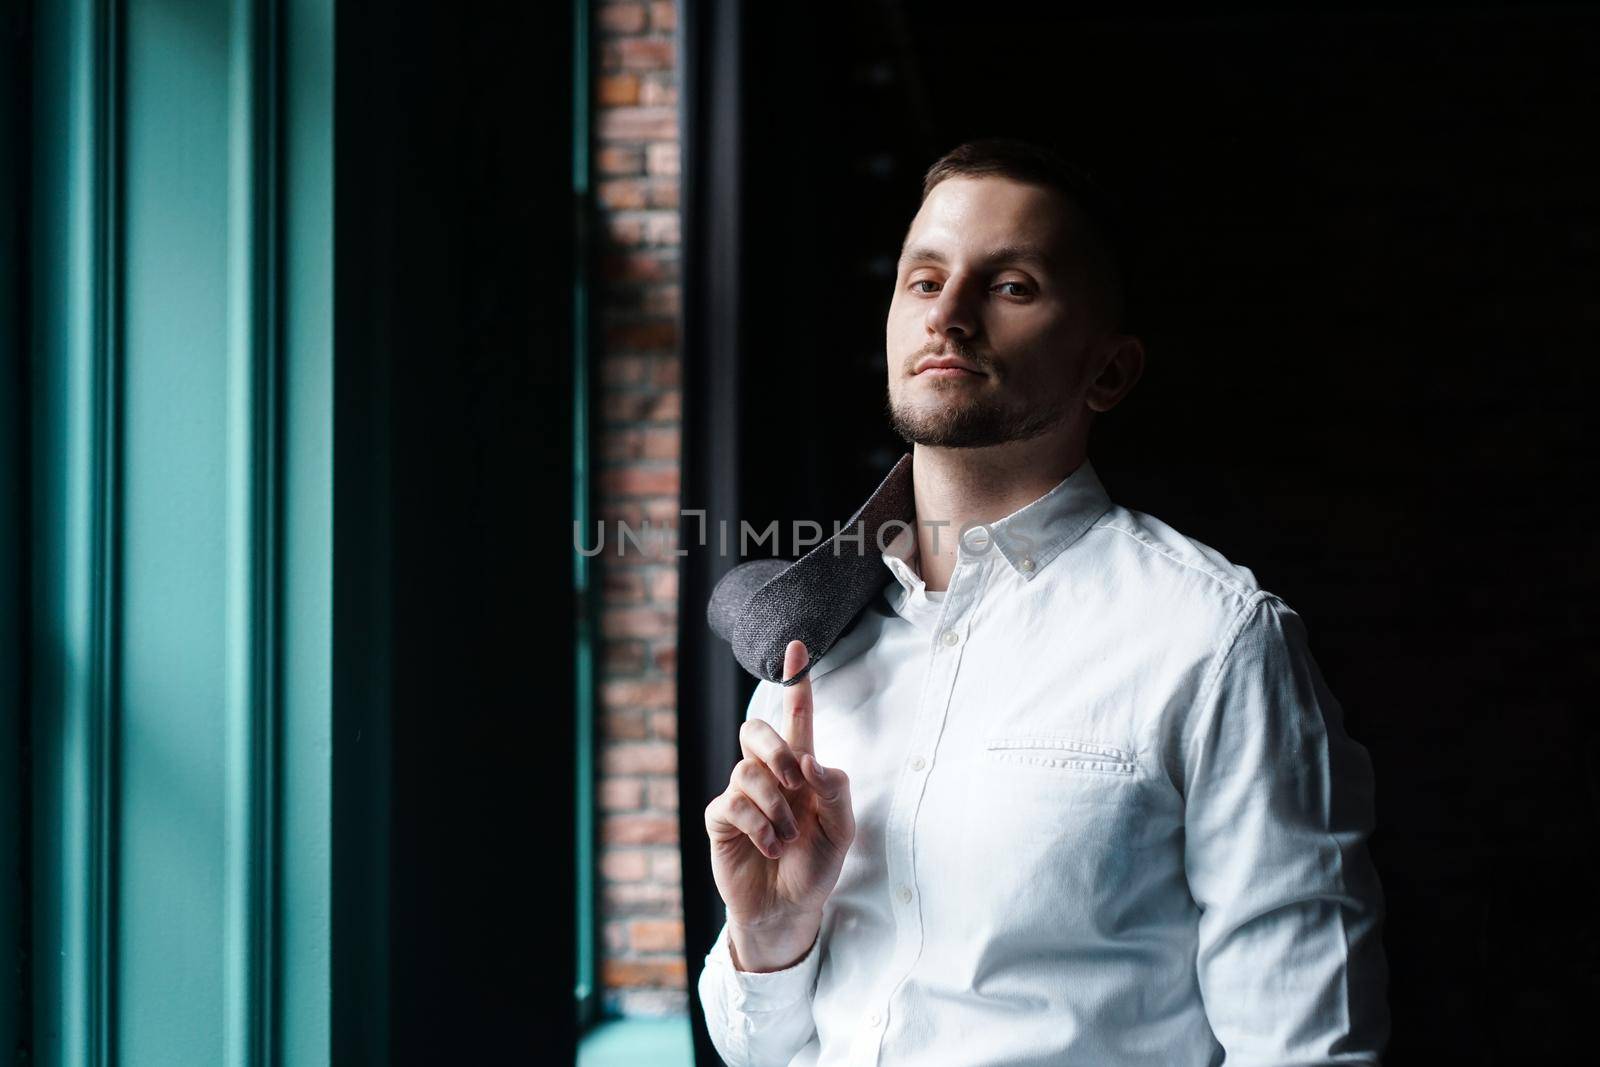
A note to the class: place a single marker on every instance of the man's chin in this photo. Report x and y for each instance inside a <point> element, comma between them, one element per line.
<point>963,425</point>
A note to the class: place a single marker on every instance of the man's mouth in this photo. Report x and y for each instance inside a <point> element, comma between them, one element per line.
<point>946,367</point>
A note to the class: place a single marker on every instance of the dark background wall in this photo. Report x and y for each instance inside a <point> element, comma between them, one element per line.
<point>14,488</point>
<point>454,648</point>
<point>1365,269</point>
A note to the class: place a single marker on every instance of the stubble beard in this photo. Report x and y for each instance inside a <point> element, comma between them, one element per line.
<point>958,421</point>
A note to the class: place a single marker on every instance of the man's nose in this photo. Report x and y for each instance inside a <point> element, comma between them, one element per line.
<point>957,308</point>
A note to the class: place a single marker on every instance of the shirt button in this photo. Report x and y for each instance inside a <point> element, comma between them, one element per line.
<point>1026,565</point>
<point>874,1019</point>
<point>904,894</point>
<point>950,637</point>
<point>918,763</point>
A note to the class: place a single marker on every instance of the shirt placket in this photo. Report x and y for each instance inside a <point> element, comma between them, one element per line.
<point>947,643</point>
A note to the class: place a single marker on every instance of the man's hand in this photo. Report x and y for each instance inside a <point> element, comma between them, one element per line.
<point>779,834</point>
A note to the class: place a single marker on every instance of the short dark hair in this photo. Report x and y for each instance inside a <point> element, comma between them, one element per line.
<point>1034,164</point>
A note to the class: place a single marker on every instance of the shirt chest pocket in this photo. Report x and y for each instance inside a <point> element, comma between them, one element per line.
<point>1050,787</point>
<point>1061,754</point>
<point>1049,825</point>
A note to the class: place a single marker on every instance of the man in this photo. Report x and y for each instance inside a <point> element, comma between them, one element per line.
<point>1088,799</point>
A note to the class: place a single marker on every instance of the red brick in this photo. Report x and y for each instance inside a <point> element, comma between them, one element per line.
<point>625,864</point>
<point>662,192</point>
<point>637,124</point>
<point>662,794</point>
<point>620,18</point>
<point>667,372</point>
<point>617,445</point>
<point>662,158</point>
<point>637,164</point>
<point>642,694</point>
<point>661,299</point>
<point>639,829</point>
<point>624,724</point>
<point>666,867</point>
<point>664,725</point>
<point>644,336</point>
<point>665,405</point>
<point>640,898</point>
<point>622,657</point>
<point>639,757</point>
<point>655,1003</point>
<point>621,794</point>
<point>639,481</point>
<point>627,407</point>
<point>618,194</point>
<point>661,228</point>
<point>656,935</point>
<point>647,542</point>
<point>641,53</point>
<point>624,231</point>
<point>658,90</point>
<point>663,585</point>
<point>616,90</point>
<point>662,444</point>
<point>638,622</point>
<point>654,974</point>
<point>625,370</point>
<point>657,549</point>
<point>616,933</point>
<point>619,160</point>
<point>611,514</point>
<point>639,267</point>
<point>621,445</point>
<point>622,587</point>
<point>663,512</point>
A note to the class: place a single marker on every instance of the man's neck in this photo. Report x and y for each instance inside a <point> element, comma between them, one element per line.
<point>957,487</point>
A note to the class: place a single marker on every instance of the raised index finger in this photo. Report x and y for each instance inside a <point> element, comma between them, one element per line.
<point>797,700</point>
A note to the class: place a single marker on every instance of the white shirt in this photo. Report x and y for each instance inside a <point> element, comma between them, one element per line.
<point>1106,814</point>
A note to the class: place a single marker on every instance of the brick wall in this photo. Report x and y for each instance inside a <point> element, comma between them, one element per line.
<point>636,445</point>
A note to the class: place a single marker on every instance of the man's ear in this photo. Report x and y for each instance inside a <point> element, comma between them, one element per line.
<point>1120,371</point>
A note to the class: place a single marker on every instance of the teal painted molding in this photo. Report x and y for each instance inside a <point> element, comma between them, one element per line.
<point>73,668</point>
<point>586,928</point>
<point>182,534</point>
<point>252,488</point>
<point>303,941</point>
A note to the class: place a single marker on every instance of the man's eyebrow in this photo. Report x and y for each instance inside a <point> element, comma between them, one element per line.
<point>1003,254</point>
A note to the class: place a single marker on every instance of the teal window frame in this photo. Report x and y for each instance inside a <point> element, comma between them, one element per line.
<point>586,993</point>
<point>185,675</point>
<point>180,511</point>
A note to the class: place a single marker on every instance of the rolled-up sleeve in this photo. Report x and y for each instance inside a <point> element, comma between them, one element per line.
<point>1278,811</point>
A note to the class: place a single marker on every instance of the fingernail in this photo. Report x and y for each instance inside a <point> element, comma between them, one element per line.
<point>822,772</point>
<point>789,833</point>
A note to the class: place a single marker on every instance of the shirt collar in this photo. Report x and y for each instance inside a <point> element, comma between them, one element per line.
<point>1028,538</point>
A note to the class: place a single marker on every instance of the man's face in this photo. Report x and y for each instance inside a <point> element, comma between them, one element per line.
<point>987,279</point>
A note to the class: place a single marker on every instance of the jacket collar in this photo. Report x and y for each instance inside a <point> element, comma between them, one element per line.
<point>1028,538</point>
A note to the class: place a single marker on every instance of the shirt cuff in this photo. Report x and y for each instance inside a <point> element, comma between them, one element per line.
<point>754,991</point>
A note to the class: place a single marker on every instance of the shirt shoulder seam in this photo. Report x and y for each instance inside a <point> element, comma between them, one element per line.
<point>1232,586</point>
<point>1206,691</point>
<point>1230,639</point>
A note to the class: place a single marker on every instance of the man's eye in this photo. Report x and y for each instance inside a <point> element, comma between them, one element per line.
<point>923,281</point>
<point>1018,285</point>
